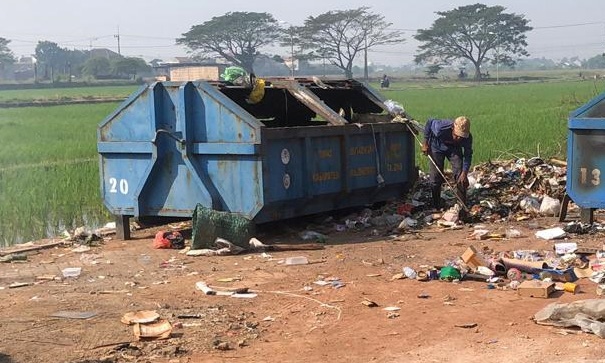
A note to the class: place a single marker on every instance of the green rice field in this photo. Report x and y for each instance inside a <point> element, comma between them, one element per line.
<point>49,174</point>
<point>507,120</point>
<point>54,94</point>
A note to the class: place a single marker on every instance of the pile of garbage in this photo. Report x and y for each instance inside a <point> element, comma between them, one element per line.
<point>521,188</point>
<point>518,189</point>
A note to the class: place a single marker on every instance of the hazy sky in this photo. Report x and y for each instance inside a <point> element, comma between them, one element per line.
<point>148,28</point>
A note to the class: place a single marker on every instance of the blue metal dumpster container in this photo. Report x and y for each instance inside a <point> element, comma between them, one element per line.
<point>303,149</point>
<point>586,156</point>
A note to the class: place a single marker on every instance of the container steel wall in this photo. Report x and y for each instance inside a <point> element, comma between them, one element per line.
<point>171,146</point>
<point>314,169</point>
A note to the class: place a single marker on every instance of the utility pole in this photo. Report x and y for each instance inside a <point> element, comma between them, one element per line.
<point>365,59</point>
<point>366,31</point>
<point>118,37</point>
<point>498,58</point>
<point>292,51</point>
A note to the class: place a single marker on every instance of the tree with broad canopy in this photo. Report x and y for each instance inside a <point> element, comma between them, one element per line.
<point>340,35</point>
<point>6,56</point>
<point>236,36</point>
<point>477,33</point>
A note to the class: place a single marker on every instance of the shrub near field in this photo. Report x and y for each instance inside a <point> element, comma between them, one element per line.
<point>49,173</point>
<point>508,120</point>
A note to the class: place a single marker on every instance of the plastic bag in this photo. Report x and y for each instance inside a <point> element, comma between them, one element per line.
<point>583,313</point>
<point>258,92</point>
<point>550,206</point>
<point>394,108</point>
<point>312,235</point>
<point>172,240</point>
<point>231,74</point>
<point>530,205</point>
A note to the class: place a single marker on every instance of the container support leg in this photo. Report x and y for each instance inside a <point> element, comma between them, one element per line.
<point>564,205</point>
<point>587,215</point>
<point>123,227</point>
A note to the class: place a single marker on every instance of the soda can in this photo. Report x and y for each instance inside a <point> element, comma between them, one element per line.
<point>433,274</point>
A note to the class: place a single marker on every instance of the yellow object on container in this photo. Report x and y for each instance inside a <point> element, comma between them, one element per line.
<point>258,92</point>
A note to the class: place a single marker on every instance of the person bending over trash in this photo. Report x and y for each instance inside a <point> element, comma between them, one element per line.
<point>449,139</point>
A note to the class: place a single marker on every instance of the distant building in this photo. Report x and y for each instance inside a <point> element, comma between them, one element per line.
<point>181,69</point>
<point>24,68</point>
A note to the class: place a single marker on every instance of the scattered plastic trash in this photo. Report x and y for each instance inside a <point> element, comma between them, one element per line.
<point>452,214</point>
<point>570,287</point>
<point>552,233</point>
<point>513,233</point>
<point>578,227</point>
<point>565,247</point>
<point>160,329</point>
<point>449,273</point>
<point>337,284</point>
<point>485,271</point>
<point>142,317</point>
<point>169,239</point>
<point>394,108</point>
<point>71,272</point>
<point>224,248</point>
<point>297,260</point>
<point>408,223</point>
<point>582,313</point>
<point>410,273</point>
<point>312,235</point>
<point>550,206</point>
<point>530,205</point>
<point>200,285</point>
<point>479,234</point>
<point>244,296</point>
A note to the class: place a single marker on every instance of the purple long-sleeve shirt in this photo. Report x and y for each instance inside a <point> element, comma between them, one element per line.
<point>438,134</point>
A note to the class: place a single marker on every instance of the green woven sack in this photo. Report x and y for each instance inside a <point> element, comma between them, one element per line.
<point>209,224</point>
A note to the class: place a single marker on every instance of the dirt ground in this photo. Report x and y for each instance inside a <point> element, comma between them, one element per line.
<point>291,319</point>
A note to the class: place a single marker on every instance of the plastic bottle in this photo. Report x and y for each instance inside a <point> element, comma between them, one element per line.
<point>71,271</point>
<point>410,273</point>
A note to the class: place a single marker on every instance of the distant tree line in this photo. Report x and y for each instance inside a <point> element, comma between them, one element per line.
<point>55,63</point>
<point>477,34</point>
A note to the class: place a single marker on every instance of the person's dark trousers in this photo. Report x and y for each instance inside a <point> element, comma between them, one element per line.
<point>456,161</point>
<point>436,180</point>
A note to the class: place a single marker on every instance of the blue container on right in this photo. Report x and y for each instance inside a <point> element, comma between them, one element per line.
<point>586,156</point>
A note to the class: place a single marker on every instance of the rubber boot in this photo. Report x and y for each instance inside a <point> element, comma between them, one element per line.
<point>436,195</point>
<point>461,194</point>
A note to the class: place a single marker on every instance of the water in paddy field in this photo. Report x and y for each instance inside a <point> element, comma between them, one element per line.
<point>31,228</point>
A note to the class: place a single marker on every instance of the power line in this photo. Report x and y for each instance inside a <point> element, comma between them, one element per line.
<point>568,25</point>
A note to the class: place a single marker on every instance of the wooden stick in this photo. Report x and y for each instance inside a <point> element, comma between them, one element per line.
<point>294,247</point>
<point>558,162</point>
<point>31,248</point>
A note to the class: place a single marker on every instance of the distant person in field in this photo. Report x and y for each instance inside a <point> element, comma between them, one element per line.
<point>385,82</point>
<point>452,140</point>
